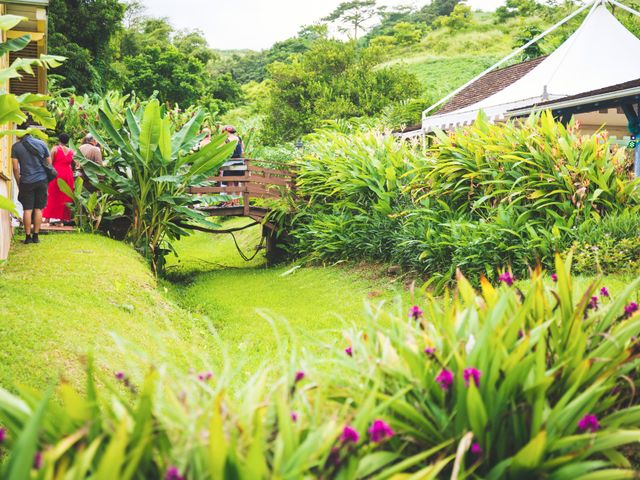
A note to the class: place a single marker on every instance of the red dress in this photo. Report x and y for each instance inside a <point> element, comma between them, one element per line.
<point>57,201</point>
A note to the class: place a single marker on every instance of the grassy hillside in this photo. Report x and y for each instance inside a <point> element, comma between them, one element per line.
<point>71,295</point>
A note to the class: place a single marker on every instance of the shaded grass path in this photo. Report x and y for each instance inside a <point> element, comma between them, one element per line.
<point>241,299</point>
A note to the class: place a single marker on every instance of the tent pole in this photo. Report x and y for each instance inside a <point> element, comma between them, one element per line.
<point>511,55</point>
<point>624,7</point>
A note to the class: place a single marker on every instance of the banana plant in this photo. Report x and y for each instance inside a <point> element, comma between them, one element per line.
<point>150,170</point>
<point>14,109</point>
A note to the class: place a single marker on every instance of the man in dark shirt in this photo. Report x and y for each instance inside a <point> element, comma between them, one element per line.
<point>32,183</point>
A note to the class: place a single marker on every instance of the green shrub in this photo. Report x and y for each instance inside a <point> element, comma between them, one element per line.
<point>536,384</point>
<point>549,393</point>
<point>506,194</point>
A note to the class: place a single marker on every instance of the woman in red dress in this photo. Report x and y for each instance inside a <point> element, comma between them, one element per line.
<point>57,204</point>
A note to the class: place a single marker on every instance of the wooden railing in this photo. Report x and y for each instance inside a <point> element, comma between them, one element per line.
<point>249,180</point>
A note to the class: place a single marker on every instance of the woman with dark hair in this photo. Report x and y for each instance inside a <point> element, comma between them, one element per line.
<point>57,205</point>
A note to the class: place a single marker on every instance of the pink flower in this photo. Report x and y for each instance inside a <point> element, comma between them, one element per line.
<point>203,377</point>
<point>554,277</point>
<point>445,379</point>
<point>431,351</point>
<point>299,376</point>
<point>349,434</point>
<point>593,303</point>
<point>415,313</point>
<point>3,435</point>
<point>380,431</point>
<point>294,417</point>
<point>476,449</point>
<point>349,351</point>
<point>630,309</point>
<point>604,292</point>
<point>37,461</point>
<point>507,278</point>
<point>472,373</point>
<point>120,376</point>
<point>589,422</point>
<point>173,474</point>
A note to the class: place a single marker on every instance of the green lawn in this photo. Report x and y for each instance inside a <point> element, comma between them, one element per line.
<point>254,307</point>
<point>72,294</point>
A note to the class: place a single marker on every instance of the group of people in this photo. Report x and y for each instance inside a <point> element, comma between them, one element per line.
<point>41,199</point>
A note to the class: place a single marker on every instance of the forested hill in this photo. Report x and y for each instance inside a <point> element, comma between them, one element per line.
<point>387,66</point>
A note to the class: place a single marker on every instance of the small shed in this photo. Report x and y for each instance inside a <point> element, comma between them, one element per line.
<point>35,24</point>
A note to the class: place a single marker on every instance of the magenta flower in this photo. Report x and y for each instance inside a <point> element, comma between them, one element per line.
<point>294,417</point>
<point>37,461</point>
<point>349,434</point>
<point>120,376</point>
<point>630,309</point>
<point>554,277</point>
<point>604,292</point>
<point>476,449</point>
<point>431,351</point>
<point>299,376</point>
<point>593,303</point>
<point>589,422</point>
<point>3,435</point>
<point>173,474</point>
<point>203,377</point>
<point>380,431</point>
<point>507,278</point>
<point>349,351</point>
<point>472,373</point>
<point>445,379</point>
<point>415,313</point>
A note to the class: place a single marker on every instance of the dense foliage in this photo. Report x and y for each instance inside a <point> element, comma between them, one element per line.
<point>507,194</point>
<point>503,384</point>
<point>151,166</point>
<point>333,80</point>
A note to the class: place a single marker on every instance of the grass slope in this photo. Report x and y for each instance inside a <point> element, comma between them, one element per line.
<point>65,297</point>
<point>241,299</point>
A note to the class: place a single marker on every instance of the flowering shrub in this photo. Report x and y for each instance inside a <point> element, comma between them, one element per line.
<point>500,384</point>
<point>525,384</point>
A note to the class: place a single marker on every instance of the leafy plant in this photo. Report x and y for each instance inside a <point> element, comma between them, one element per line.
<point>151,169</point>
<point>525,384</point>
<point>88,209</point>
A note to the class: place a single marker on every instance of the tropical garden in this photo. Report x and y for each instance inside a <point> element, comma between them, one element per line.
<point>464,308</point>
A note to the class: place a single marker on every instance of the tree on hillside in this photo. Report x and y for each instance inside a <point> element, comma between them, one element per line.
<point>333,80</point>
<point>352,16</point>
<point>83,30</point>
<point>525,36</point>
<point>177,77</point>
<point>461,17</point>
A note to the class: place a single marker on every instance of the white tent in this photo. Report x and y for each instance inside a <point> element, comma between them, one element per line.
<point>599,54</point>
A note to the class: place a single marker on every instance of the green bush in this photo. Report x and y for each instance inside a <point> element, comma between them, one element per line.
<point>538,384</point>
<point>515,384</point>
<point>608,245</point>
<point>507,194</point>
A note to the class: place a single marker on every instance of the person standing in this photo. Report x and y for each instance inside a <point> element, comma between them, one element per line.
<point>91,150</point>
<point>31,178</point>
<point>57,206</point>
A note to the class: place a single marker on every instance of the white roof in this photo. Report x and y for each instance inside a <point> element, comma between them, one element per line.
<point>599,54</point>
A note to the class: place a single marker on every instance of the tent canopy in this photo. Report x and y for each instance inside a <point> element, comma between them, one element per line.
<point>597,55</point>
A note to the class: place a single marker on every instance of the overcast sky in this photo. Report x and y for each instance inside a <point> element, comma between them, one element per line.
<point>257,24</point>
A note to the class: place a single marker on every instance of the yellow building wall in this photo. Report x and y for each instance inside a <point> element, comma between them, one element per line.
<point>5,170</point>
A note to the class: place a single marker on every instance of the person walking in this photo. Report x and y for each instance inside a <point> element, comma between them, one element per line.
<point>57,207</point>
<point>27,156</point>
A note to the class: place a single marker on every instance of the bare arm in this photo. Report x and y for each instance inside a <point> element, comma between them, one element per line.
<point>16,170</point>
